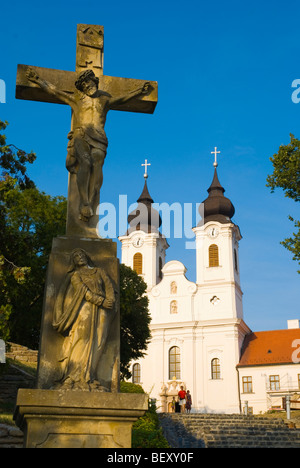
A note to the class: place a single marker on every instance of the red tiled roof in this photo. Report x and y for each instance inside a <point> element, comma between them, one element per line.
<point>269,347</point>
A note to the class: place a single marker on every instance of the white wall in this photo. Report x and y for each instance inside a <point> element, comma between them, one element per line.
<point>262,399</point>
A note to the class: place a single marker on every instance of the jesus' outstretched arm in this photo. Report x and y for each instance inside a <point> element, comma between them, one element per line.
<point>122,99</point>
<point>49,87</point>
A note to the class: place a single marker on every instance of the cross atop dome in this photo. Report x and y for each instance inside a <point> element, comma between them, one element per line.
<point>216,206</point>
<point>144,217</point>
<point>146,168</point>
<point>215,153</point>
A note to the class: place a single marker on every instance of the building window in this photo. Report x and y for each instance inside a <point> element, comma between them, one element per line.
<point>247,384</point>
<point>136,373</point>
<point>174,363</point>
<point>215,369</point>
<point>274,382</point>
<point>173,307</point>
<point>235,261</point>
<point>213,255</point>
<point>173,287</point>
<point>160,265</point>
<point>138,263</point>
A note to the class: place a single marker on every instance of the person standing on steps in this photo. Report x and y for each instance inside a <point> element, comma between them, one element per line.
<point>182,400</point>
<point>188,404</point>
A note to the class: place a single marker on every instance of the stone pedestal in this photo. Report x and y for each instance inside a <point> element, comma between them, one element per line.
<point>103,254</point>
<point>74,419</point>
<point>82,409</point>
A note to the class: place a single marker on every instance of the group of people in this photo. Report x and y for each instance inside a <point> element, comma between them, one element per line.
<point>184,401</point>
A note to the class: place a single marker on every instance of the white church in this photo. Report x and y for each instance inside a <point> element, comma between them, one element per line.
<point>199,337</point>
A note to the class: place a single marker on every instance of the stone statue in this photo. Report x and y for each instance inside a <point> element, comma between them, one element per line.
<point>173,307</point>
<point>87,141</point>
<point>173,287</point>
<point>84,309</point>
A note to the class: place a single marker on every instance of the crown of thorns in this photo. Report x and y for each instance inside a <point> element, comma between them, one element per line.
<point>86,75</point>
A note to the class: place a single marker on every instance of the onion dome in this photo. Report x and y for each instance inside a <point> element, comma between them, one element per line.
<point>144,217</point>
<point>216,206</point>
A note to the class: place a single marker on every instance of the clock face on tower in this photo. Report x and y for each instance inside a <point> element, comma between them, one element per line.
<point>213,232</point>
<point>137,241</point>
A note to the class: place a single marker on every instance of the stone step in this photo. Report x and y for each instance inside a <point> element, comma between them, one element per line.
<point>204,430</point>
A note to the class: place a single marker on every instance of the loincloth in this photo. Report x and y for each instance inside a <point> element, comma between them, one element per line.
<point>93,137</point>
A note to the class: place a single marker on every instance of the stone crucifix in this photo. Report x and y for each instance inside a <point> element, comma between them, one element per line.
<point>91,95</point>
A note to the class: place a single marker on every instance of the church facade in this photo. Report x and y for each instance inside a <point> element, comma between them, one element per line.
<point>199,338</point>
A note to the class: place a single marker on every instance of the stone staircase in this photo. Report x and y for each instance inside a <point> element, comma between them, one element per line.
<point>227,431</point>
<point>12,376</point>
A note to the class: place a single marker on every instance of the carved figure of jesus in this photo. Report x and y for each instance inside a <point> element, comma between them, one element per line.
<point>87,141</point>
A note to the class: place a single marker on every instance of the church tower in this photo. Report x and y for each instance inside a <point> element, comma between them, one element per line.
<point>143,246</point>
<point>217,255</point>
<point>218,302</point>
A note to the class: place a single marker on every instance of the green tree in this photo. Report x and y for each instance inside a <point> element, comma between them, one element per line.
<point>286,175</point>
<point>13,161</point>
<point>135,318</point>
<point>29,219</point>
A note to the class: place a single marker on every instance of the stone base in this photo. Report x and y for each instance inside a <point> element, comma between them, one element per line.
<point>74,419</point>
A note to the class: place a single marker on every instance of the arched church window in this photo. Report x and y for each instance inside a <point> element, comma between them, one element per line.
<point>160,275</point>
<point>138,263</point>
<point>235,260</point>
<point>174,363</point>
<point>136,373</point>
<point>215,369</point>
<point>213,255</point>
<point>173,287</point>
<point>173,307</point>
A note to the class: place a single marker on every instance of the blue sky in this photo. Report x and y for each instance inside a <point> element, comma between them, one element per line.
<point>224,72</point>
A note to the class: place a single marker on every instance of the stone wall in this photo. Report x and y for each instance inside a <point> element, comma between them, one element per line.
<point>21,353</point>
<point>10,437</point>
<point>2,351</point>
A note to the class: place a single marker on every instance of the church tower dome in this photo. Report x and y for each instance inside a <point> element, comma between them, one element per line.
<point>143,246</point>
<point>144,217</point>
<point>216,206</point>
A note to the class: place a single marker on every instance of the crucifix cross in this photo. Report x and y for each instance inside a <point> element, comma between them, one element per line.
<point>215,153</point>
<point>146,168</point>
<point>91,95</point>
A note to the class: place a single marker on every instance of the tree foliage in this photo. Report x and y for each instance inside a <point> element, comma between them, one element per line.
<point>29,219</point>
<point>13,161</point>
<point>286,175</point>
<point>135,318</point>
<point>147,433</point>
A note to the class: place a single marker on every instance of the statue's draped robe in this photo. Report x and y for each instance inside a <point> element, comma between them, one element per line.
<point>80,317</point>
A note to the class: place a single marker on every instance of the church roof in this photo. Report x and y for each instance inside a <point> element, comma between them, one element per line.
<point>216,206</point>
<point>269,347</point>
<point>145,195</point>
<point>144,217</point>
